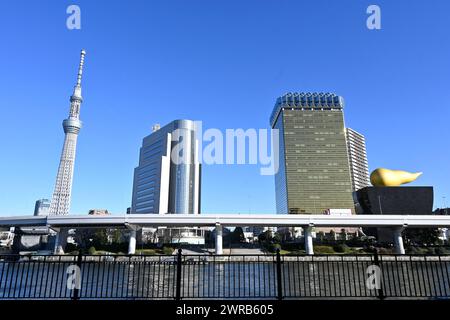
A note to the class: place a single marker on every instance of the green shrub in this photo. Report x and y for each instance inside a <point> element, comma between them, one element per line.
<point>92,250</point>
<point>102,253</point>
<point>419,250</point>
<point>440,251</point>
<point>360,251</point>
<point>271,247</point>
<point>323,250</point>
<point>341,248</point>
<point>385,251</point>
<point>411,250</point>
<point>291,246</point>
<point>70,247</point>
<point>148,252</point>
<point>167,250</point>
<point>434,251</point>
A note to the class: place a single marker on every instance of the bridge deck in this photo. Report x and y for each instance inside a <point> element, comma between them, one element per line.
<point>182,220</point>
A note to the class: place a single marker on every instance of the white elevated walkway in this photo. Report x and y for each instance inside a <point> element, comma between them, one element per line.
<point>135,221</point>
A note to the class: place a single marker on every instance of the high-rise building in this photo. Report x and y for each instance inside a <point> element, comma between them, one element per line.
<point>60,204</point>
<point>357,156</point>
<point>167,179</point>
<point>314,172</point>
<point>42,207</point>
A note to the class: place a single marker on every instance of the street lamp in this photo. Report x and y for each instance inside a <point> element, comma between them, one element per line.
<point>379,203</point>
<point>444,204</point>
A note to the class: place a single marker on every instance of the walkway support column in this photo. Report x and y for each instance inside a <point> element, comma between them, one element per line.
<point>398,240</point>
<point>60,241</point>
<point>307,233</point>
<point>219,243</point>
<point>132,242</point>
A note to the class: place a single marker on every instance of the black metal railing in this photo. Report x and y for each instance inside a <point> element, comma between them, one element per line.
<point>224,276</point>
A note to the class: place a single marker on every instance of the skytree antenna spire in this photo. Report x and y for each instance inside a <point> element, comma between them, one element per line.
<point>60,203</point>
<point>80,68</point>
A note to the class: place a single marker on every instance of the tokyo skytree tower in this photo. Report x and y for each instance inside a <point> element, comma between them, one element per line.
<point>60,204</point>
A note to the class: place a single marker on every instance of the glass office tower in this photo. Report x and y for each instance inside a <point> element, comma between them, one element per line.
<point>42,207</point>
<point>165,182</point>
<point>314,174</point>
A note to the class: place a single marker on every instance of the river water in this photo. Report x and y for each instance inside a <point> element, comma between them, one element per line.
<point>243,277</point>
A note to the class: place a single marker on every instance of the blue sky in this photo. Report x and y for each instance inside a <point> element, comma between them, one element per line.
<point>222,62</point>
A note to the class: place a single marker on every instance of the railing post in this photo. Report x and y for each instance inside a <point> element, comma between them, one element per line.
<point>76,291</point>
<point>376,260</point>
<point>178,284</point>
<point>279,282</point>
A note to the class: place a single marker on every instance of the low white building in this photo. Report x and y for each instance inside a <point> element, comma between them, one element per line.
<point>192,235</point>
<point>250,237</point>
<point>6,238</point>
<point>444,234</point>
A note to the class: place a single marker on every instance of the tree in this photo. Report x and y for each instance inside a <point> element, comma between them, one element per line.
<point>91,237</point>
<point>84,237</point>
<point>320,235</point>
<point>426,236</point>
<point>332,235</point>
<point>343,234</point>
<point>237,235</point>
<point>265,236</point>
<point>276,238</point>
<point>116,236</point>
<point>100,238</point>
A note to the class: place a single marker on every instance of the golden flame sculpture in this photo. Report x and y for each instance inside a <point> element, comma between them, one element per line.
<point>382,177</point>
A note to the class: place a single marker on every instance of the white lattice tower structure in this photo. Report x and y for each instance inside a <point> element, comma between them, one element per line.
<point>60,204</point>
